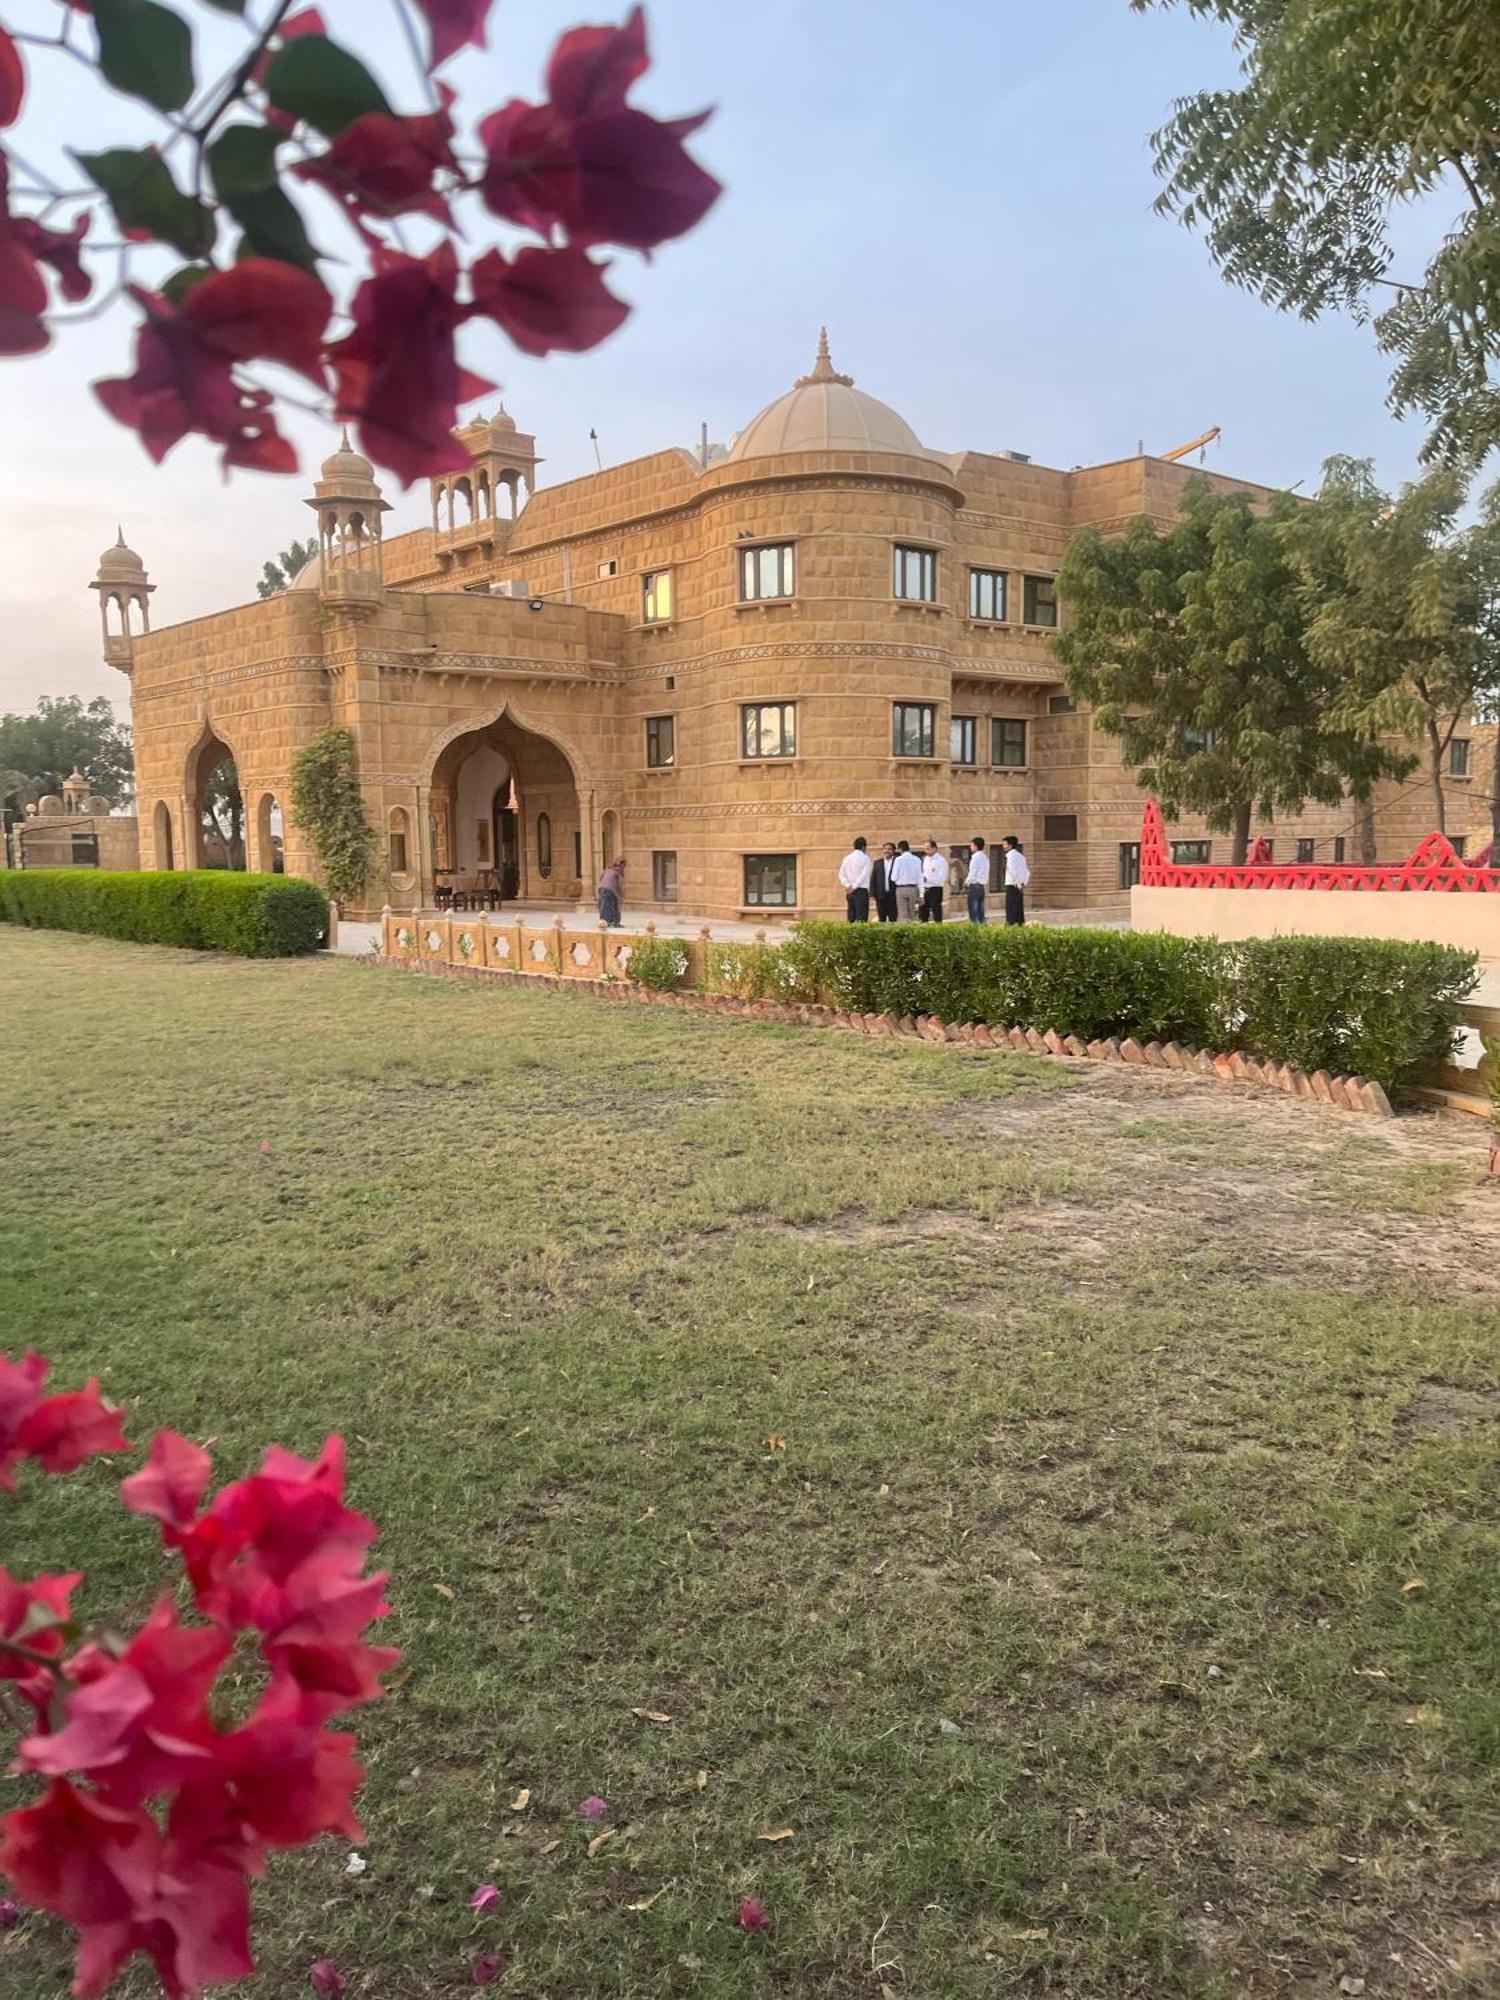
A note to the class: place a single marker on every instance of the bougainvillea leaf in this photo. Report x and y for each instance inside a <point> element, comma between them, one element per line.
<point>148,202</point>
<point>314,79</point>
<point>146,51</point>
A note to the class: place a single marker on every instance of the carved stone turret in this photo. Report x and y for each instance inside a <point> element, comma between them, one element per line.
<point>478,505</point>
<point>349,506</point>
<point>124,602</point>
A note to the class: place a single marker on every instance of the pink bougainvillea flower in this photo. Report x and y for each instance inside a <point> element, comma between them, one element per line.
<point>170,1484</point>
<point>593,68</point>
<point>488,1968</point>
<point>455,24</point>
<point>382,165</point>
<point>10,1913</point>
<point>59,1432</point>
<point>12,80</point>
<point>324,1978</point>
<point>637,184</point>
<point>184,383</point>
<point>288,1781</point>
<point>594,1808</point>
<point>485,1898</point>
<point>399,378</point>
<point>529,175</point>
<point>752,1916</point>
<point>547,299</point>
<point>26,1606</point>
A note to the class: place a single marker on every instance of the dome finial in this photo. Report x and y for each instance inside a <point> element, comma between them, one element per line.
<point>119,537</point>
<point>344,444</point>
<point>823,369</point>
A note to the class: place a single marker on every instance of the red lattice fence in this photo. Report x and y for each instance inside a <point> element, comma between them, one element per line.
<point>1433,867</point>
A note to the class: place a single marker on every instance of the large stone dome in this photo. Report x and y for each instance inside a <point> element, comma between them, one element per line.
<point>825,412</point>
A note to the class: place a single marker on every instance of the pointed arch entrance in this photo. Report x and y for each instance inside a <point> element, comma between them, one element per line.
<point>504,812</point>
<point>214,834</point>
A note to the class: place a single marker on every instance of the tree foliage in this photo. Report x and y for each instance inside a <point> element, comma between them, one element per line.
<point>1189,645</point>
<point>221,236</point>
<point>282,571</point>
<point>64,734</point>
<point>1401,606</point>
<point>1299,180</point>
<point>329,807</point>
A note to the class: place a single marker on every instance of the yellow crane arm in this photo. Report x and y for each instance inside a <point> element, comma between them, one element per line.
<point>1208,437</point>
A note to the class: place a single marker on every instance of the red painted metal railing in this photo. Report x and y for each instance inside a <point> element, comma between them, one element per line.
<point>1433,867</point>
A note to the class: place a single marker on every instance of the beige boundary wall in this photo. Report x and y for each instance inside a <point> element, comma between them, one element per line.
<point>555,950</point>
<point>1409,916</point>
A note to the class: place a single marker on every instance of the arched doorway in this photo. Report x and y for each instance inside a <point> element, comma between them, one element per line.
<point>270,836</point>
<point>216,806</point>
<point>504,812</point>
<point>161,821</point>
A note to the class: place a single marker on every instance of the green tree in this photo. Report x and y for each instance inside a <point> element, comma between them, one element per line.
<point>328,805</point>
<point>64,734</point>
<point>1402,607</point>
<point>1188,645</point>
<point>282,573</point>
<point>1350,110</point>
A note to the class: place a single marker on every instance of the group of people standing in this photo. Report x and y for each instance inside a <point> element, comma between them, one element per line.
<point>903,886</point>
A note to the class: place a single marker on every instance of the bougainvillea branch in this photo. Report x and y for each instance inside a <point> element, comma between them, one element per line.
<point>160,1808</point>
<point>238,274</point>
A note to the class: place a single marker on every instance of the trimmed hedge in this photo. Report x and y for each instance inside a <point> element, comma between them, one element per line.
<point>256,916</point>
<point>1383,1010</point>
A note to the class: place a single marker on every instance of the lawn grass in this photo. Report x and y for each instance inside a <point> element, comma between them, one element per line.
<point>1065,1498</point>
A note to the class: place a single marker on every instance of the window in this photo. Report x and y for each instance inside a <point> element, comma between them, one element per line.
<point>85,850</point>
<point>911,728</point>
<point>1459,842</point>
<point>987,595</point>
<point>482,831</point>
<point>1339,848</point>
<point>963,747</point>
<point>396,841</point>
<point>544,845</point>
<point>1060,704</point>
<point>671,683</point>
<point>1039,600</point>
<point>768,729</point>
<point>1458,757</point>
<point>610,568</point>
<point>656,596</point>
<point>1199,739</point>
<point>578,851</point>
<point>1192,853</point>
<point>1130,863</point>
<point>767,572</point>
<point>771,881</point>
<point>661,742</point>
<point>664,878</point>
<point>916,574</point>
<point>1060,826</point>
<point>1307,850</point>
<point>1008,742</point>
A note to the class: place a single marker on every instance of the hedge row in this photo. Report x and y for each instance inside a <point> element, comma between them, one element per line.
<point>257,916</point>
<point>1350,1006</point>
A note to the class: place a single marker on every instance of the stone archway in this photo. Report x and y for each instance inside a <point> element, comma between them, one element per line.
<point>214,833</point>
<point>504,809</point>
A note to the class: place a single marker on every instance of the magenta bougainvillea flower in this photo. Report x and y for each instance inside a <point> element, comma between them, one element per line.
<point>485,1898</point>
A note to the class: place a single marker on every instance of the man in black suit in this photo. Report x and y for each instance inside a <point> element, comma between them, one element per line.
<point>882,888</point>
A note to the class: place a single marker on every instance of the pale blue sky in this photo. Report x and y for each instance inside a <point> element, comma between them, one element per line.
<point>963,192</point>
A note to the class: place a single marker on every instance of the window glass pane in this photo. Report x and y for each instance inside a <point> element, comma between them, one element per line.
<point>1008,741</point>
<point>398,853</point>
<point>987,594</point>
<point>1060,826</point>
<point>1306,849</point>
<point>1040,600</point>
<point>544,844</point>
<point>916,574</point>
<point>657,591</point>
<point>911,735</point>
<point>771,879</point>
<point>1458,757</point>
<point>1060,704</point>
<point>664,877</point>
<point>961,739</point>
<point>1130,863</point>
<point>1339,848</point>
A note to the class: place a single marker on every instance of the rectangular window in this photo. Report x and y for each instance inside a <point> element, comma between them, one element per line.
<point>1039,600</point>
<point>610,568</point>
<point>1008,742</point>
<point>398,853</point>
<point>916,575</point>
<point>1060,826</point>
<point>1459,842</point>
<point>578,851</point>
<point>1130,863</point>
<point>1340,848</point>
<point>1060,704</point>
<point>661,742</point>
<point>767,572</point>
<point>771,881</point>
<point>1307,850</point>
<point>1199,739</point>
<point>1192,853</point>
<point>1458,757</point>
<point>482,842</point>
<point>656,596</point>
<point>911,728</point>
<point>664,877</point>
<point>963,740</point>
<point>768,729</point>
<point>987,595</point>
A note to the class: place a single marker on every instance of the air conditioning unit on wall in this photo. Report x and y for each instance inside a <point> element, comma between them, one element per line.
<point>510,588</point>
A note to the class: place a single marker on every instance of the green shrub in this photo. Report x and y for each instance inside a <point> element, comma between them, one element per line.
<point>1384,1010</point>
<point>744,971</point>
<point>256,916</point>
<point>661,963</point>
<point>1362,1006</point>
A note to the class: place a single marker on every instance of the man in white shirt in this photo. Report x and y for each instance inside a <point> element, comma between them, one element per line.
<point>977,881</point>
<point>906,880</point>
<point>1017,875</point>
<point>934,882</point>
<point>854,879</point>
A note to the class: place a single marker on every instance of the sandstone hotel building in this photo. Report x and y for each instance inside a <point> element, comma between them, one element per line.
<point>722,664</point>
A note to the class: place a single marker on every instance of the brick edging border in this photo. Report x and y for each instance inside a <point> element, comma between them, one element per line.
<point>1344,1093</point>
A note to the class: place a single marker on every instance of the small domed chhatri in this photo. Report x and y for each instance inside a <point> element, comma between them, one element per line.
<point>825,412</point>
<point>120,564</point>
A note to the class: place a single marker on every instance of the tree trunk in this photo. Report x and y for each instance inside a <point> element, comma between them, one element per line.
<point>1241,835</point>
<point>1364,833</point>
<point>1435,763</point>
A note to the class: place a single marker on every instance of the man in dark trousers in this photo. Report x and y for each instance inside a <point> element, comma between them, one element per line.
<point>882,888</point>
<point>1017,875</point>
<point>854,880</point>
<point>934,883</point>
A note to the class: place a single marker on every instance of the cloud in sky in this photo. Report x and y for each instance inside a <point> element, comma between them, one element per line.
<point>963,192</point>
